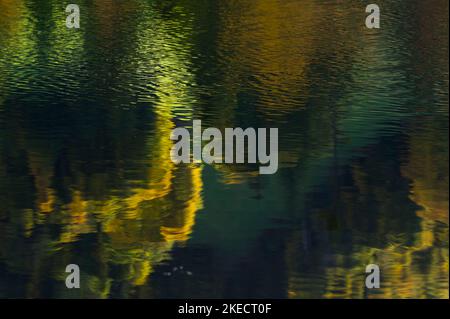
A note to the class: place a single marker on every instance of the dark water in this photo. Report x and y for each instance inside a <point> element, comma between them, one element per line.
<point>86,178</point>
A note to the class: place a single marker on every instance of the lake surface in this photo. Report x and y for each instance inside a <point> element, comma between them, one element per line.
<point>85,170</point>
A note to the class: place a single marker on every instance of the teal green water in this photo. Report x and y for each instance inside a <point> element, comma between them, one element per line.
<point>85,170</point>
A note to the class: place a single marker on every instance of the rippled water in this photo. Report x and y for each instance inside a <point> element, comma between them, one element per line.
<point>86,177</point>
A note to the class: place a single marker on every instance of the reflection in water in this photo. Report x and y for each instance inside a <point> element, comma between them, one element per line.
<point>86,177</point>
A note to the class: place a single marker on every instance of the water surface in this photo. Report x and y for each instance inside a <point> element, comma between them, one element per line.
<point>85,170</point>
